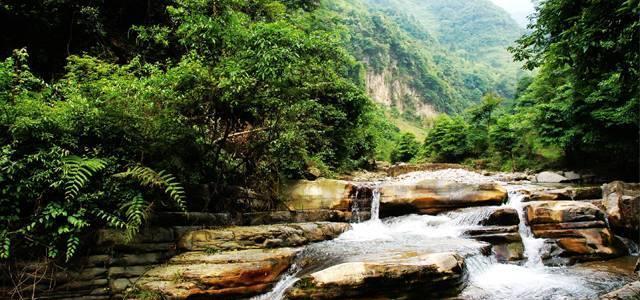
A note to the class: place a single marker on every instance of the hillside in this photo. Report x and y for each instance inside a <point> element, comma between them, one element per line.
<point>424,57</point>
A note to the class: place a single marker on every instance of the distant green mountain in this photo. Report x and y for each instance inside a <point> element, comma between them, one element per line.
<point>424,57</point>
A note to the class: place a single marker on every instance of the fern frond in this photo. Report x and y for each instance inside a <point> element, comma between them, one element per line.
<point>109,218</point>
<point>77,171</point>
<point>136,212</point>
<point>72,246</point>
<point>162,180</point>
<point>5,244</point>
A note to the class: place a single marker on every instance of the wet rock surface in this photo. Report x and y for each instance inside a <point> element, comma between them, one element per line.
<point>505,240</point>
<point>430,196</point>
<point>578,229</point>
<point>426,275</point>
<point>504,216</point>
<point>622,204</point>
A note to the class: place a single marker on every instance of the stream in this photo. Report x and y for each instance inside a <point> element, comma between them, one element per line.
<point>379,239</point>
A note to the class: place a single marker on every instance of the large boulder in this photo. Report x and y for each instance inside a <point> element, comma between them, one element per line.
<point>543,212</point>
<point>622,203</point>
<point>502,216</point>
<point>225,275</point>
<point>417,276</point>
<point>578,229</point>
<point>318,194</point>
<point>550,177</point>
<point>262,236</point>
<point>431,196</point>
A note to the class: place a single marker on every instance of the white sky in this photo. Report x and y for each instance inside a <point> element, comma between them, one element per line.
<point>519,9</point>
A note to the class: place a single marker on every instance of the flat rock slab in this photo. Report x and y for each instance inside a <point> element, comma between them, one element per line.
<point>225,275</point>
<point>568,193</point>
<point>430,196</point>
<point>543,212</point>
<point>262,236</point>
<point>415,275</point>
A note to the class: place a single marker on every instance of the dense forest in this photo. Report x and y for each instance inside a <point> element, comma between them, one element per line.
<point>112,109</point>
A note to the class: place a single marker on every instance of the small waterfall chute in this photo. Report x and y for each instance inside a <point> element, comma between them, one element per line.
<point>532,246</point>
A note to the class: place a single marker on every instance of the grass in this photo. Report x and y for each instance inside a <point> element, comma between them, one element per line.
<point>406,126</point>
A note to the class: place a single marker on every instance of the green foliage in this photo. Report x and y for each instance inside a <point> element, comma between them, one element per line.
<point>406,149</point>
<point>586,94</point>
<point>163,181</point>
<point>76,172</point>
<point>448,140</point>
<point>223,94</point>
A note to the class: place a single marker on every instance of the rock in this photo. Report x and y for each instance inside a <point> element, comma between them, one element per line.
<point>572,176</point>
<point>542,212</point>
<point>404,168</point>
<point>128,272</point>
<point>506,241</point>
<point>578,228</point>
<point>568,193</point>
<point>166,219</point>
<point>121,284</point>
<point>434,196</point>
<point>318,194</point>
<point>279,217</point>
<point>78,285</point>
<point>262,236</point>
<point>630,291</point>
<point>622,203</point>
<point>111,237</point>
<point>227,275</point>
<point>572,225</point>
<point>550,177</point>
<point>141,259</point>
<point>414,276</point>
<point>504,216</point>
<point>508,252</point>
<point>313,173</point>
<point>512,176</point>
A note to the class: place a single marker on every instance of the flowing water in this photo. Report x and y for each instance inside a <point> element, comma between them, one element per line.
<point>380,239</point>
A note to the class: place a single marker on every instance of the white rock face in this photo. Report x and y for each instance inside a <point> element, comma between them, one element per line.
<point>550,177</point>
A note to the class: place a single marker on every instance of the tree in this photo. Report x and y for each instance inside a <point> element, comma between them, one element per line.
<point>587,92</point>
<point>406,148</point>
<point>448,140</point>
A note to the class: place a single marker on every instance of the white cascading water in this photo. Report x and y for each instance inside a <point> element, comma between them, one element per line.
<point>375,203</point>
<point>376,239</point>
<point>532,246</point>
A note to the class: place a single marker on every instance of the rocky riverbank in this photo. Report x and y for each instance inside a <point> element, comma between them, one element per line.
<point>444,228</point>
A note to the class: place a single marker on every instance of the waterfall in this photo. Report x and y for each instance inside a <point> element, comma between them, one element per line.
<point>355,209</point>
<point>375,203</point>
<point>532,245</point>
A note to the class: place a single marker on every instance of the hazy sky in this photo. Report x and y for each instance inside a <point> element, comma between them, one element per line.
<point>519,9</point>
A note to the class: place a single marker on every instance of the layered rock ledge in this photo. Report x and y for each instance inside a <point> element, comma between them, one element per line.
<point>262,236</point>
<point>218,276</point>
<point>577,228</point>
<point>415,275</point>
<point>430,196</point>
